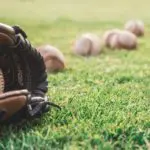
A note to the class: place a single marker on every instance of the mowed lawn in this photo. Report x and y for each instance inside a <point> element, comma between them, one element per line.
<point>105,100</point>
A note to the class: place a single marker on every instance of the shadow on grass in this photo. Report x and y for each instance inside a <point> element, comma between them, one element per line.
<point>25,125</point>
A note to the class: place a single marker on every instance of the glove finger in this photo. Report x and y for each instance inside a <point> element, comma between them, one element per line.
<point>6,29</point>
<point>13,93</point>
<point>12,105</point>
<point>6,39</point>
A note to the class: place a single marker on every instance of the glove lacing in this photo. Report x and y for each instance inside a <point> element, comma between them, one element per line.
<point>39,106</point>
<point>1,82</point>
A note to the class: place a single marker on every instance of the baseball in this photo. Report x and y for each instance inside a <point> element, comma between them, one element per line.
<point>87,44</point>
<point>127,40</point>
<point>135,26</point>
<point>120,39</point>
<point>108,35</point>
<point>53,58</point>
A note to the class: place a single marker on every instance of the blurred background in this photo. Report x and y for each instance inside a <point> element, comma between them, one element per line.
<point>102,10</point>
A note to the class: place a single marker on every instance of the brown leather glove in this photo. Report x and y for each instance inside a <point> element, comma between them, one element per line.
<point>12,102</point>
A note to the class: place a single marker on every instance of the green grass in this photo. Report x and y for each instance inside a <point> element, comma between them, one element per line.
<point>105,100</point>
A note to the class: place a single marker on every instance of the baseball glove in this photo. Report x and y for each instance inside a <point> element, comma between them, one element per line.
<point>23,80</point>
